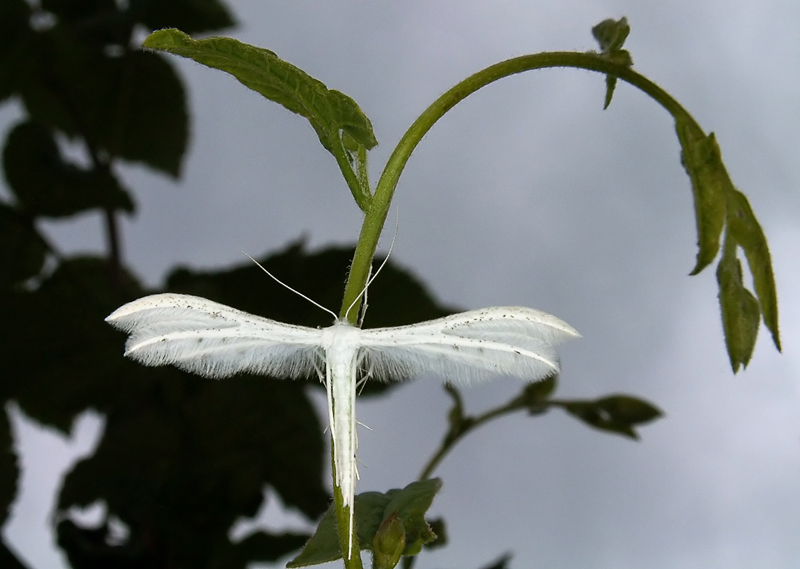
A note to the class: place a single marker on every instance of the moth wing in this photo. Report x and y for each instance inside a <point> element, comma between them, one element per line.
<point>470,346</point>
<point>214,340</point>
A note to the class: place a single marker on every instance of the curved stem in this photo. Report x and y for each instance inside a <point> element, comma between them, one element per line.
<point>360,191</point>
<point>376,207</point>
<point>379,207</point>
<point>460,425</point>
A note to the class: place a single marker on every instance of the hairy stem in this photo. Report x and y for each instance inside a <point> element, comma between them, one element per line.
<point>359,190</point>
<point>343,523</point>
<point>461,425</point>
<point>378,209</point>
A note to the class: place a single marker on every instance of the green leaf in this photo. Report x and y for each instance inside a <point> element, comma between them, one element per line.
<point>627,409</point>
<point>711,185</point>
<point>537,393</point>
<point>611,35</point>
<point>46,184</point>
<point>372,510</point>
<point>324,544</point>
<point>747,232</point>
<point>614,413</point>
<point>740,309</point>
<point>329,112</point>
<point>22,251</point>
<point>410,504</point>
<point>439,528</point>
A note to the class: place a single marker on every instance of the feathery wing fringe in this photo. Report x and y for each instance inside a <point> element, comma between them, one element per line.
<point>214,340</point>
<point>470,346</point>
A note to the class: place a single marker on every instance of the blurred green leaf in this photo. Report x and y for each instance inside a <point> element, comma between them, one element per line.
<point>181,465</point>
<point>78,9</point>
<point>537,393</point>
<point>99,22</point>
<point>22,252</point>
<point>9,469</point>
<point>329,112</point>
<point>740,309</point>
<point>91,548</point>
<point>410,505</point>
<point>46,184</point>
<point>611,34</point>
<point>151,123</point>
<point>372,509</point>
<point>81,366</point>
<point>439,529</point>
<point>629,409</point>
<point>66,82</point>
<point>711,185</point>
<point>614,413</point>
<point>323,546</point>
<point>7,559</point>
<point>747,232</point>
<point>183,457</point>
<point>97,548</point>
<point>130,106</point>
<point>501,563</point>
<point>192,16</point>
<point>264,547</point>
<point>14,30</point>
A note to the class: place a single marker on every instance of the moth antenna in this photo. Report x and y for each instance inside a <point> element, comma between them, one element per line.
<point>373,277</point>
<point>297,292</point>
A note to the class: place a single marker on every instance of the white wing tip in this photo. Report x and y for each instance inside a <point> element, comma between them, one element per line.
<point>161,300</point>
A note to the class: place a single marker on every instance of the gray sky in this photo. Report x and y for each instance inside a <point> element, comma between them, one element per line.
<point>530,194</point>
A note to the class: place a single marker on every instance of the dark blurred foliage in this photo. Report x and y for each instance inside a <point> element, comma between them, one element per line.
<point>181,458</point>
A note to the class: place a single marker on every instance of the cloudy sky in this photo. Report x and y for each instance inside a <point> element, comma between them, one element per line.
<point>527,193</point>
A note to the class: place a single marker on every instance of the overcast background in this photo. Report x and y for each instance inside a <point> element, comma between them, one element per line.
<point>527,193</point>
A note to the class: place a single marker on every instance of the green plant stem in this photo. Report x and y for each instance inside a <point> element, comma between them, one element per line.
<point>359,190</point>
<point>343,524</point>
<point>378,209</point>
<point>461,425</point>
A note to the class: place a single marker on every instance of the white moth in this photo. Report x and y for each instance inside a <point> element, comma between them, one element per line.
<point>214,340</point>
